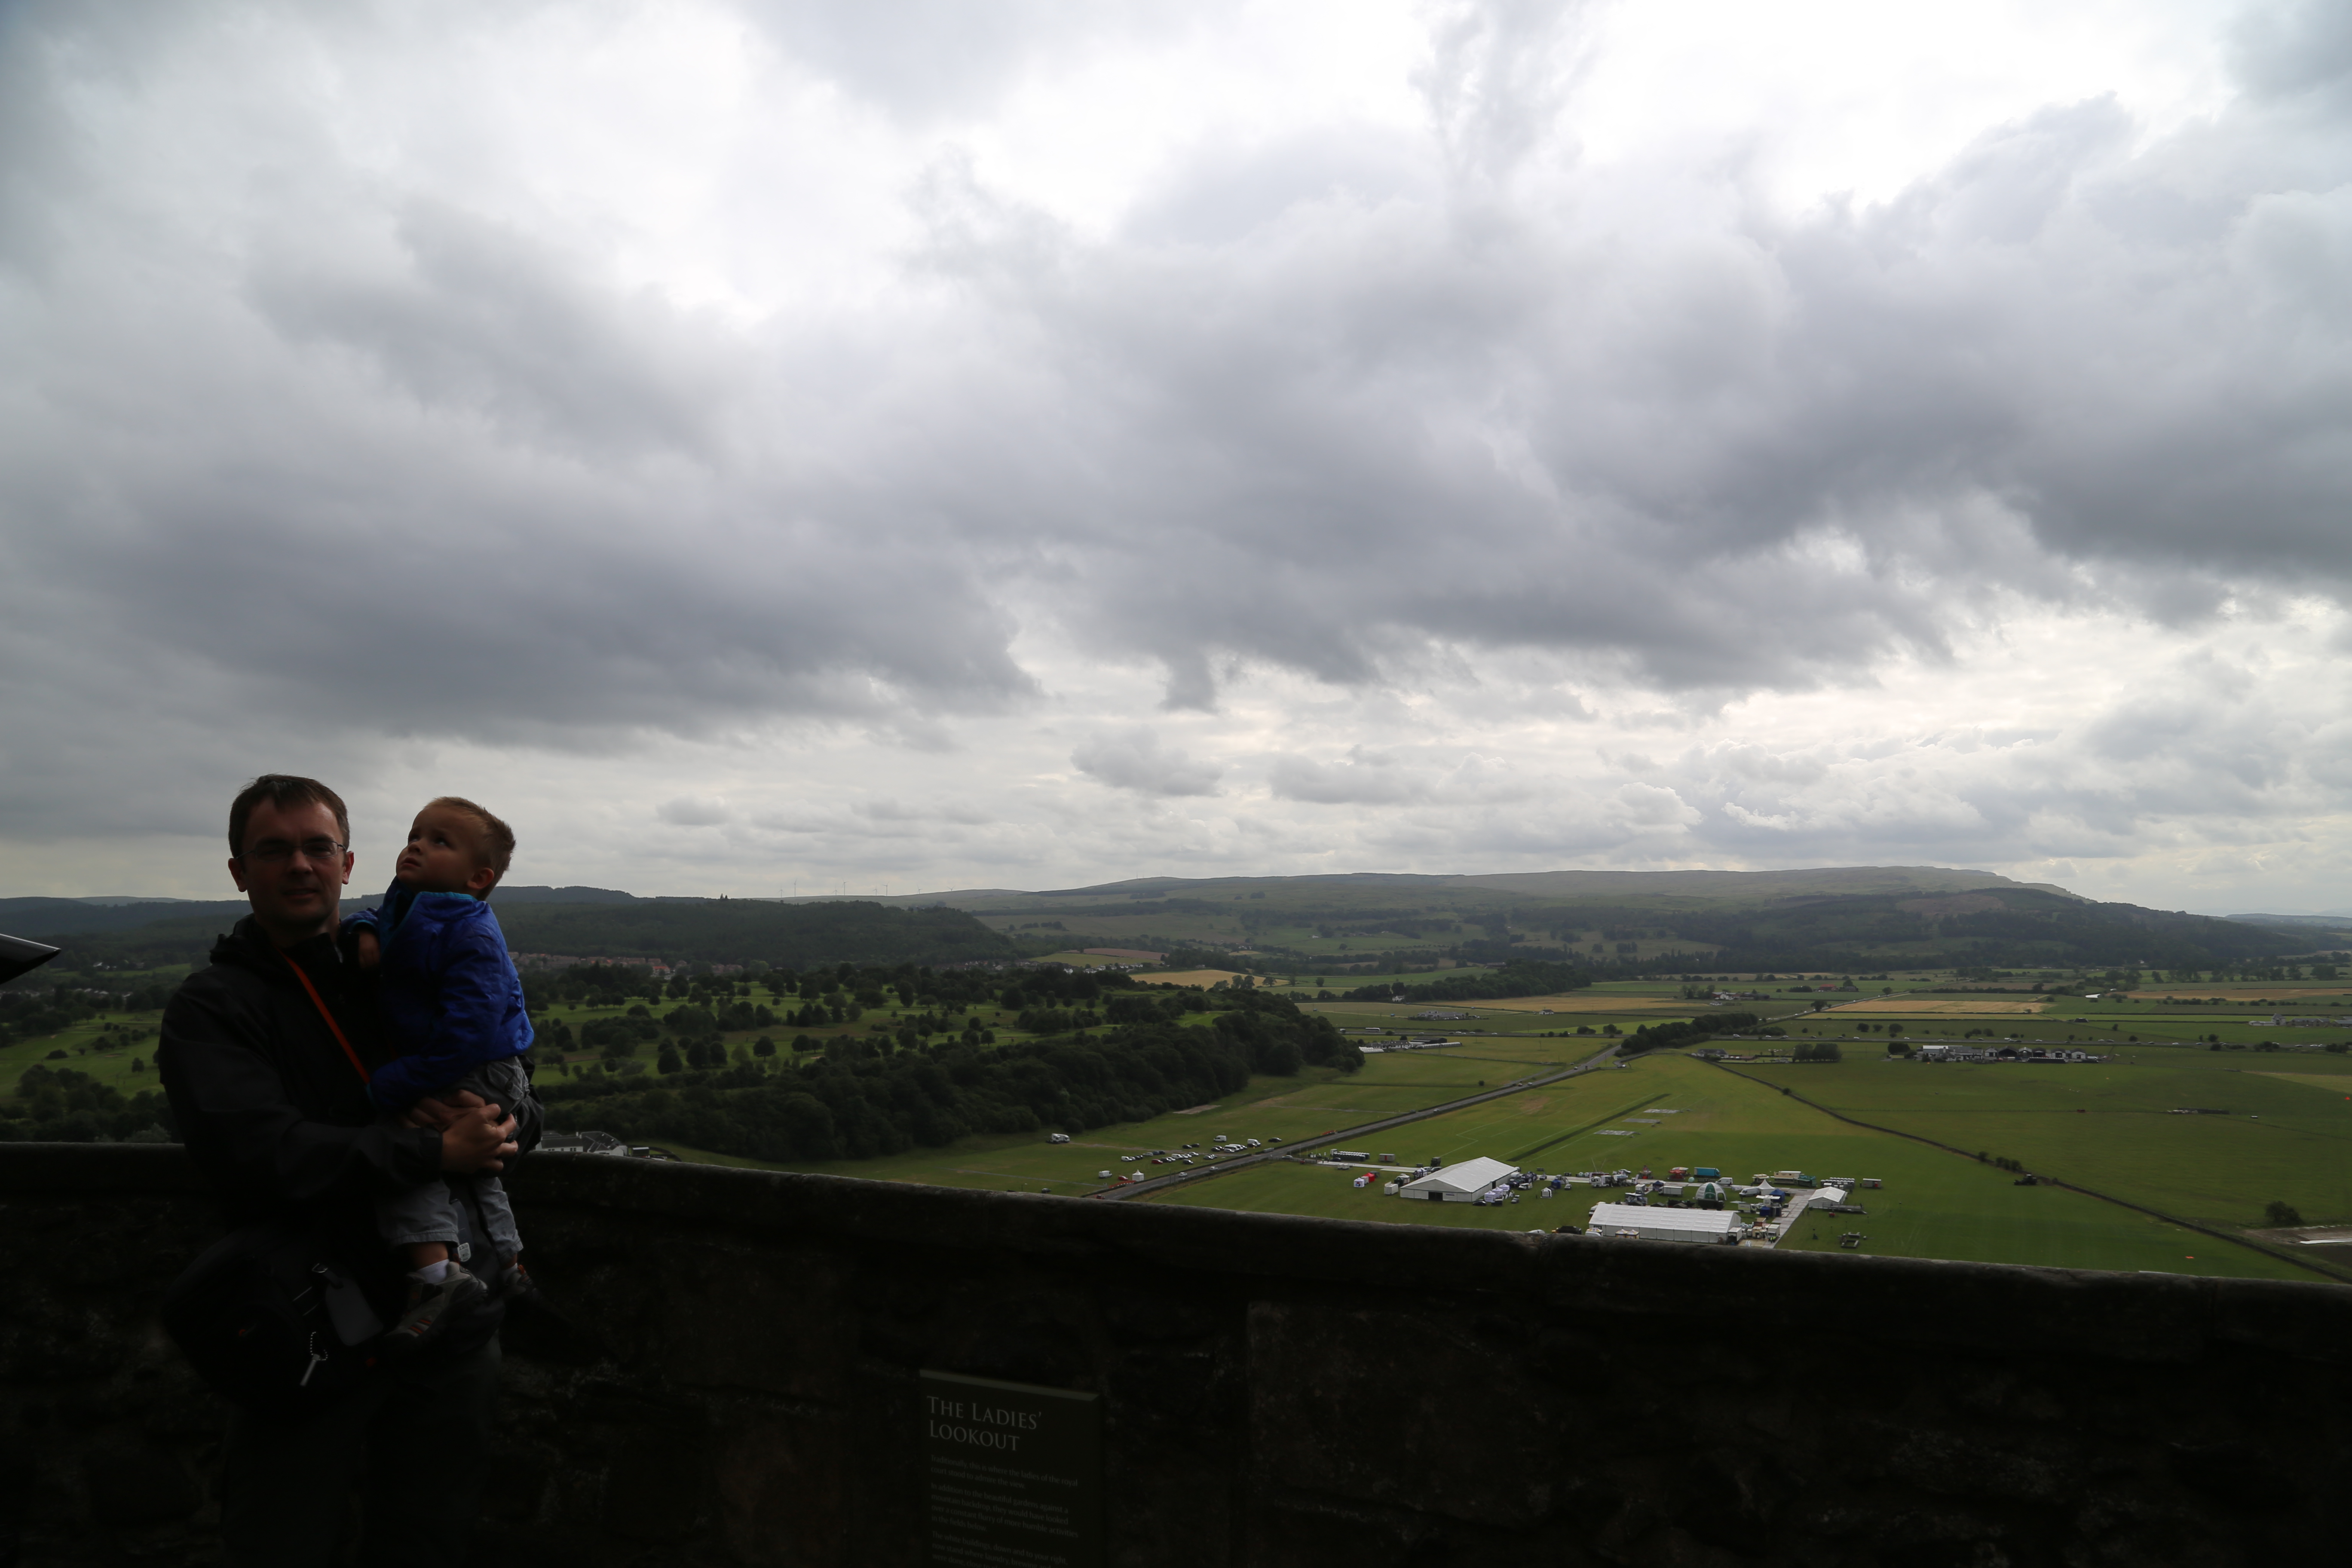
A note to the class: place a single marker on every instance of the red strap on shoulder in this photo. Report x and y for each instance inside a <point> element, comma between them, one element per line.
<point>334,1028</point>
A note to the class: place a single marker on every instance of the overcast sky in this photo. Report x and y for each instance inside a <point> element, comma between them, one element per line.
<point>920,444</point>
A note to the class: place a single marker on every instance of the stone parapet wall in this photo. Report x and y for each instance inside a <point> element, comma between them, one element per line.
<point>729,1376</point>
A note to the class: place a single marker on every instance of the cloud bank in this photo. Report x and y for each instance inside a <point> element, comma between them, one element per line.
<point>1328,430</point>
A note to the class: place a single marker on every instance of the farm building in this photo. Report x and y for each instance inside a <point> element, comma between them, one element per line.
<point>1459,1184</point>
<point>1663,1224</point>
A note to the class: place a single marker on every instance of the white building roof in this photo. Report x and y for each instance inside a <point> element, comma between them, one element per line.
<point>1820,1197</point>
<point>1470,1176</point>
<point>1637,1216</point>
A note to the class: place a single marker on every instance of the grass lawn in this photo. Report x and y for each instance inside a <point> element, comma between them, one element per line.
<point>2286,1136</point>
<point>103,1047</point>
<point>2287,1133</point>
<point>1298,1110</point>
<point>1680,1111</point>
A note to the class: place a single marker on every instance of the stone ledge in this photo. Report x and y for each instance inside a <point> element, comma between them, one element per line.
<point>723,1371</point>
<point>2109,1316</point>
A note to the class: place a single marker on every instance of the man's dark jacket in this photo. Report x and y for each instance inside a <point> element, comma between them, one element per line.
<point>278,1118</point>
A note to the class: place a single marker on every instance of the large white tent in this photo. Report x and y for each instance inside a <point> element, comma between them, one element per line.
<point>1663,1224</point>
<point>1459,1184</point>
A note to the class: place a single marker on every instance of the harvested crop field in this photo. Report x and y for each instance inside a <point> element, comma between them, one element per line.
<point>1583,1001</point>
<point>1941,1005</point>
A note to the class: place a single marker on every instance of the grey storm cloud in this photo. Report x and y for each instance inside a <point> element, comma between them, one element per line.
<point>285,437</point>
<point>1136,761</point>
<point>465,314</point>
<point>1357,781</point>
<point>930,60</point>
<point>692,811</point>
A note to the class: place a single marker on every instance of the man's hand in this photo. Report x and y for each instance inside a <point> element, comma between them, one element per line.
<point>440,1109</point>
<point>475,1136</point>
<point>366,948</point>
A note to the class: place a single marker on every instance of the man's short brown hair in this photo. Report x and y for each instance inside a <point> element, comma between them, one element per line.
<point>499,839</point>
<point>282,791</point>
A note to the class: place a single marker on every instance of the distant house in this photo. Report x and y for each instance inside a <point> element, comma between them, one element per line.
<point>588,1143</point>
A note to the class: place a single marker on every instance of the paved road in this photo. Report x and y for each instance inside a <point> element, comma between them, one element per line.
<point>1347,1135</point>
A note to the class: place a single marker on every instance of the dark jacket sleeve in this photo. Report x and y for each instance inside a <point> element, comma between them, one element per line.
<point>240,1120</point>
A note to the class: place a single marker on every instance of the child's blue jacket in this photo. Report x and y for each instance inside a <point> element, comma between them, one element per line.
<point>447,988</point>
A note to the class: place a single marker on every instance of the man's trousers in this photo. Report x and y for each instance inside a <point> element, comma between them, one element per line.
<point>409,1445</point>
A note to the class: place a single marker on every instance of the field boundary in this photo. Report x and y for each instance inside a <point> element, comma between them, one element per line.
<point>1578,1132</point>
<point>2325,1270</point>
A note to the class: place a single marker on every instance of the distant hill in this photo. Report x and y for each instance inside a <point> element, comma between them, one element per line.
<point>2324,922</point>
<point>1747,886</point>
<point>694,931</point>
<point>505,897</point>
<point>736,931</point>
<point>62,917</point>
<point>131,898</point>
<point>1844,917</point>
<point>1708,887</point>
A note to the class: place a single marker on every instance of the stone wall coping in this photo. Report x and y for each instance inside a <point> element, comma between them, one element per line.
<point>2105,1315</point>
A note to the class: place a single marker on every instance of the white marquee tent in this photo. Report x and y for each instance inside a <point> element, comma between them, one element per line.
<point>1665,1223</point>
<point>1459,1184</point>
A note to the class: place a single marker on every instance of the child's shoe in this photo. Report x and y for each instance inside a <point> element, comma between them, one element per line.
<point>432,1308</point>
<point>515,1283</point>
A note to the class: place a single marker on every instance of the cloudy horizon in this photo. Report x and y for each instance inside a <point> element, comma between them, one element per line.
<point>783,444</point>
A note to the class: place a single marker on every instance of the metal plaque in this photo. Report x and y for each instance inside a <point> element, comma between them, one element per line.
<point>1014,1474</point>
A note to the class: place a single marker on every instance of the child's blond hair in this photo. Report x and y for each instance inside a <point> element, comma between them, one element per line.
<point>499,838</point>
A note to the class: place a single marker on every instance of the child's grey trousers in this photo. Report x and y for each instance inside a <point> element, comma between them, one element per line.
<point>429,1212</point>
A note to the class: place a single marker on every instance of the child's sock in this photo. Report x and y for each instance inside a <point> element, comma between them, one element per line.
<point>434,1272</point>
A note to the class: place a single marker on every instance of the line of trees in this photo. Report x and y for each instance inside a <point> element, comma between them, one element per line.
<point>1520,977</point>
<point>1705,1026</point>
<point>61,1105</point>
<point>862,1099</point>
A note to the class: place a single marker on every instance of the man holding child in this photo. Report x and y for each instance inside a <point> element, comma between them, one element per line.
<point>283,1092</point>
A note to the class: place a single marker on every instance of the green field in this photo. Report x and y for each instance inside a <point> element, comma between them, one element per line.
<point>1589,1014</point>
<point>104,1047</point>
<point>1298,1110</point>
<point>2286,1136</point>
<point>1933,1205</point>
<point>2108,1125</point>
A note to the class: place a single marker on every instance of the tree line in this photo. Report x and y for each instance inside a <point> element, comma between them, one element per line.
<point>1690,1032</point>
<point>1519,977</point>
<point>859,1099</point>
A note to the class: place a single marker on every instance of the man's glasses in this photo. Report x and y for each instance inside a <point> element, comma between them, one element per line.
<point>276,851</point>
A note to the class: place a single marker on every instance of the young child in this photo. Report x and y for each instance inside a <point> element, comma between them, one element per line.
<point>453,1003</point>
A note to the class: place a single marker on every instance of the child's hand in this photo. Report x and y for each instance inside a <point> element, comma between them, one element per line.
<point>364,944</point>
